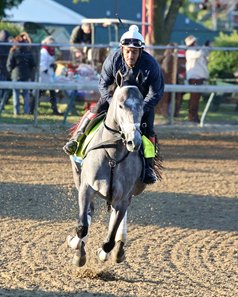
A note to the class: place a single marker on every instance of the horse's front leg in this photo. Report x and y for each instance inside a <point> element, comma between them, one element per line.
<point>117,235</point>
<point>77,242</point>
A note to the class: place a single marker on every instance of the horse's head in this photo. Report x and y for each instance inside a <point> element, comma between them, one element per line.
<point>127,105</point>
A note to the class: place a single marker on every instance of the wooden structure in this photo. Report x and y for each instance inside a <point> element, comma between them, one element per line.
<point>147,18</point>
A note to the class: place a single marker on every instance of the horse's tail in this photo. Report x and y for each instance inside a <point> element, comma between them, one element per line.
<point>158,167</point>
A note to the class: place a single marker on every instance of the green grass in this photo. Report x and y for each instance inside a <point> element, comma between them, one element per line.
<point>226,114</point>
<point>45,115</point>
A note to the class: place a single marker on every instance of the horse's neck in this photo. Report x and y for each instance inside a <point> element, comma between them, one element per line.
<point>111,136</point>
<point>110,120</point>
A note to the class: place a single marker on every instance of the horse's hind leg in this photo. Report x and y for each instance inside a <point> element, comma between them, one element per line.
<point>118,252</point>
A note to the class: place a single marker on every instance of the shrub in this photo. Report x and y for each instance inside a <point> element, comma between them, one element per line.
<point>13,29</point>
<point>223,64</point>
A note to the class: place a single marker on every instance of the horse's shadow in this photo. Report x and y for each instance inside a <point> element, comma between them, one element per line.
<point>39,293</point>
<point>53,203</point>
<point>185,211</point>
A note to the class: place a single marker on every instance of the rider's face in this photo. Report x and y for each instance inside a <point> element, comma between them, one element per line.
<point>130,55</point>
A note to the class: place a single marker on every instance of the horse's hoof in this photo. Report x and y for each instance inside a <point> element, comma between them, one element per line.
<point>73,242</point>
<point>118,253</point>
<point>79,258</point>
<point>103,256</point>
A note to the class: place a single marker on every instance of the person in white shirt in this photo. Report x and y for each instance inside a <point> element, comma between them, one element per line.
<point>196,73</point>
<point>47,69</point>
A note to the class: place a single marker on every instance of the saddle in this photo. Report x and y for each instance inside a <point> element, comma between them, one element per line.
<point>90,132</point>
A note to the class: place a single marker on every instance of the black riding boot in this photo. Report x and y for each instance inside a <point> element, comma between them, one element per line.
<point>150,176</point>
<point>72,146</point>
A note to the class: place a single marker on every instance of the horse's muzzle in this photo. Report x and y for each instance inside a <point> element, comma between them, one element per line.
<point>132,139</point>
<point>133,146</point>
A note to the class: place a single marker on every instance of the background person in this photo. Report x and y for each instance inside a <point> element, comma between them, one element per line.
<point>81,34</point>
<point>4,74</point>
<point>196,73</point>
<point>171,68</point>
<point>129,57</point>
<point>20,64</point>
<point>47,69</point>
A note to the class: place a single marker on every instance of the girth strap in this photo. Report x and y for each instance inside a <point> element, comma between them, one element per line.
<point>113,163</point>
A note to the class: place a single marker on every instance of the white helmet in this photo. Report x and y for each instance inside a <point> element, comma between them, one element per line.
<point>132,38</point>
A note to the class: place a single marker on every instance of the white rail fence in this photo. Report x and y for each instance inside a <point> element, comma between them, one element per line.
<point>87,85</point>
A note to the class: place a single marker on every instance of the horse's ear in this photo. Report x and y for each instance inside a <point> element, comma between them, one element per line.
<point>119,78</point>
<point>140,78</point>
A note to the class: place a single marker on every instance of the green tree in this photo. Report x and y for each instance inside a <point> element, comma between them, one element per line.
<point>165,12</point>
<point>13,29</point>
<point>7,4</point>
<point>224,63</point>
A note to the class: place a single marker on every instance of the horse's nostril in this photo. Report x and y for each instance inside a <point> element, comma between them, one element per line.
<point>130,143</point>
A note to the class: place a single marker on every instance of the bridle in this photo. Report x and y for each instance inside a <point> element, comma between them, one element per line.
<point>120,132</point>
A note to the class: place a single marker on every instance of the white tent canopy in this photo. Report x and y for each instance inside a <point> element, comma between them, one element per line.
<point>43,11</point>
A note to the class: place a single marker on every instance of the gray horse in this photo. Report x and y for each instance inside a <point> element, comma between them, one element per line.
<point>112,168</point>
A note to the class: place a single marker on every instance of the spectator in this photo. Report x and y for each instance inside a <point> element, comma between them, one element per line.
<point>169,65</point>
<point>196,73</point>
<point>81,34</point>
<point>181,77</point>
<point>20,64</point>
<point>47,69</point>
<point>26,37</point>
<point>4,74</point>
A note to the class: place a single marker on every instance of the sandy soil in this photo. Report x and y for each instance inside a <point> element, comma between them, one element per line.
<point>183,231</point>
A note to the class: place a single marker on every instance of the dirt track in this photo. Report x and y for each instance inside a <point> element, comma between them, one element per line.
<point>183,232</point>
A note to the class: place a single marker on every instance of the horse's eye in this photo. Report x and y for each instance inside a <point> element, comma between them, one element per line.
<point>120,106</point>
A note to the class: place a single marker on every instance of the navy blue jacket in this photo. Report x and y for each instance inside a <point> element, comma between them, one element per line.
<point>21,63</point>
<point>153,83</point>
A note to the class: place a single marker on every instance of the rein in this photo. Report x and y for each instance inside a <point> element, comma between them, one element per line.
<point>109,143</point>
<point>110,129</point>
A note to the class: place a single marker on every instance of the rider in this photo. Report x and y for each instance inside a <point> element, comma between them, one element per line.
<point>130,56</point>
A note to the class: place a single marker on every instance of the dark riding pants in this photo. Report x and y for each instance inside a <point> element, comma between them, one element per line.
<point>193,103</point>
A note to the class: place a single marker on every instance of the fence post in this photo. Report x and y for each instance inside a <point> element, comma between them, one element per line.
<point>37,91</point>
<point>206,109</point>
<point>174,81</point>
